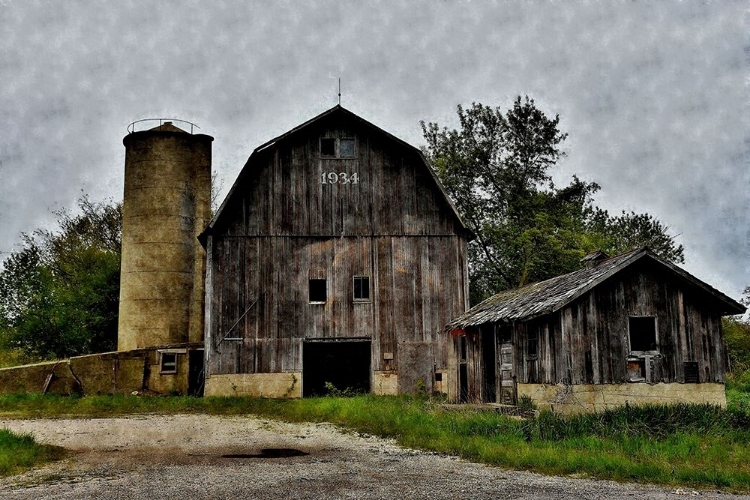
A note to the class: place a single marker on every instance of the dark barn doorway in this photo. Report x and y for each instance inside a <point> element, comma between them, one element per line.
<point>343,363</point>
<point>195,373</point>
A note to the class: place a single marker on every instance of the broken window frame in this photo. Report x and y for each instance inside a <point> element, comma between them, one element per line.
<point>362,279</point>
<point>328,147</point>
<point>642,352</point>
<point>315,294</point>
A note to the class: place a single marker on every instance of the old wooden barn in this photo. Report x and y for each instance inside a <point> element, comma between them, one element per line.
<point>632,328</point>
<point>336,258</point>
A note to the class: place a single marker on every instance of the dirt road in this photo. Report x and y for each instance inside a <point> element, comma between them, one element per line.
<point>198,456</point>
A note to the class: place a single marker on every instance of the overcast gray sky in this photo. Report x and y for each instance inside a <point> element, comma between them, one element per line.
<point>654,95</point>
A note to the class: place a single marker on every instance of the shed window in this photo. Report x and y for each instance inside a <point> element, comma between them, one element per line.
<point>362,288</point>
<point>317,289</point>
<point>168,362</point>
<point>642,334</point>
<point>328,147</point>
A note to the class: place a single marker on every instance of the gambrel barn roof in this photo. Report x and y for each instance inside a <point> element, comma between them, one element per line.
<point>549,296</point>
<point>336,112</point>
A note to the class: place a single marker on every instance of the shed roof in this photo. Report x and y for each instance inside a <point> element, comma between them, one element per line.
<point>338,109</point>
<point>545,297</point>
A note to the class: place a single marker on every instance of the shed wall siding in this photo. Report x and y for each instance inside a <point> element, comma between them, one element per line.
<point>598,323</point>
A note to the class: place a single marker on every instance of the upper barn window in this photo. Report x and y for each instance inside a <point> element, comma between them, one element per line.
<point>346,148</point>
<point>337,148</point>
<point>328,147</point>
<point>642,332</point>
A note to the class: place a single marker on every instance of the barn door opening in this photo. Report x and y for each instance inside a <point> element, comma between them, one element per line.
<point>195,373</point>
<point>344,364</point>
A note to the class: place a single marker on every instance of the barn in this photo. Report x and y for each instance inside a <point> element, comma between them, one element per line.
<point>628,329</point>
<point>335,260</point>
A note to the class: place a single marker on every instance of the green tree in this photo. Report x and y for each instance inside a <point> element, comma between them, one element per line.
<point>59,294</point>
<point>617,234</point>
<point>497,169</point>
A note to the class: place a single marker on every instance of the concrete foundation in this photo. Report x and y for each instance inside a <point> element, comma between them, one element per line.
<point>586,398</point>
<point>267,385</point>
<point>385,383</point>
<point>100,374</point>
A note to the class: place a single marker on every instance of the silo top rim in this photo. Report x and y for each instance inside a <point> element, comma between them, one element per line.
<point>162,125</point>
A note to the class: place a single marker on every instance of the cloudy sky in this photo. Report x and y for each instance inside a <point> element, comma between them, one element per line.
<point>654,95</point>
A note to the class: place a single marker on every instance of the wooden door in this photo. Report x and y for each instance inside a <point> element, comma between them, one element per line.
<point>507,391</point>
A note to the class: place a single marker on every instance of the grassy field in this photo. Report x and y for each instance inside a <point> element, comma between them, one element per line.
<point>688,445</point>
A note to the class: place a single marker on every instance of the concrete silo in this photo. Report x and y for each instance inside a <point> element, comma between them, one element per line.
<point>166,204</point>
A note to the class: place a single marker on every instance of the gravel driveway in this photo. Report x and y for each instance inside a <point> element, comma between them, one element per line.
<point>199,456</point>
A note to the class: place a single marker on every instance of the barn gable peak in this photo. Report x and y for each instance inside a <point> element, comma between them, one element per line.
<point>339,112</point>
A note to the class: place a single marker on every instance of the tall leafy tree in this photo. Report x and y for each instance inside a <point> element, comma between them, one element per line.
<point>497,169</point>
<point>59,294</point>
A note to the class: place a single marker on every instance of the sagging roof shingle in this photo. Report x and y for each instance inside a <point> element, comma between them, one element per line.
<point>545,297</point>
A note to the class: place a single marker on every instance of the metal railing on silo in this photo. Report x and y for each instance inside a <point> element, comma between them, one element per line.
<point>161,121</point>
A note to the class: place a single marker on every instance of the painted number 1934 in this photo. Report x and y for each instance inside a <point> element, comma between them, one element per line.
<point>339,178</point>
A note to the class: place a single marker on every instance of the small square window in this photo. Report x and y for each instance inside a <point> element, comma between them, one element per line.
<point>642,334</point>
<point>328,147</point>
<point>362,288</point>
<point>168,362</point>
<point>346,148</point>
<point>317,290</point>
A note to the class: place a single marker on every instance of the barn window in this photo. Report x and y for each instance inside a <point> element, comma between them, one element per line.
<point>317,290</point>
<point>168,362</point>
<point>346,148</point>
<point>642,334</point>
<point>327,147</point>
<point>361,288</point>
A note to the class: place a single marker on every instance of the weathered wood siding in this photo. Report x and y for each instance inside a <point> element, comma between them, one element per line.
<point>596,327</point>
<point>282,192</point>
<point>286,226</point>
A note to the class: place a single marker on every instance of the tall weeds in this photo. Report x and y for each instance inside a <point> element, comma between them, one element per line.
<point>688,445</point>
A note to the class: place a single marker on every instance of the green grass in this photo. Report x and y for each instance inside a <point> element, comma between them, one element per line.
<point>685,445</point>
<point>20,451</point>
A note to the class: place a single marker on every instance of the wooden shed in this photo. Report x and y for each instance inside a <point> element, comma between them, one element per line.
<point>336,258</point>
<point>632,328</point>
